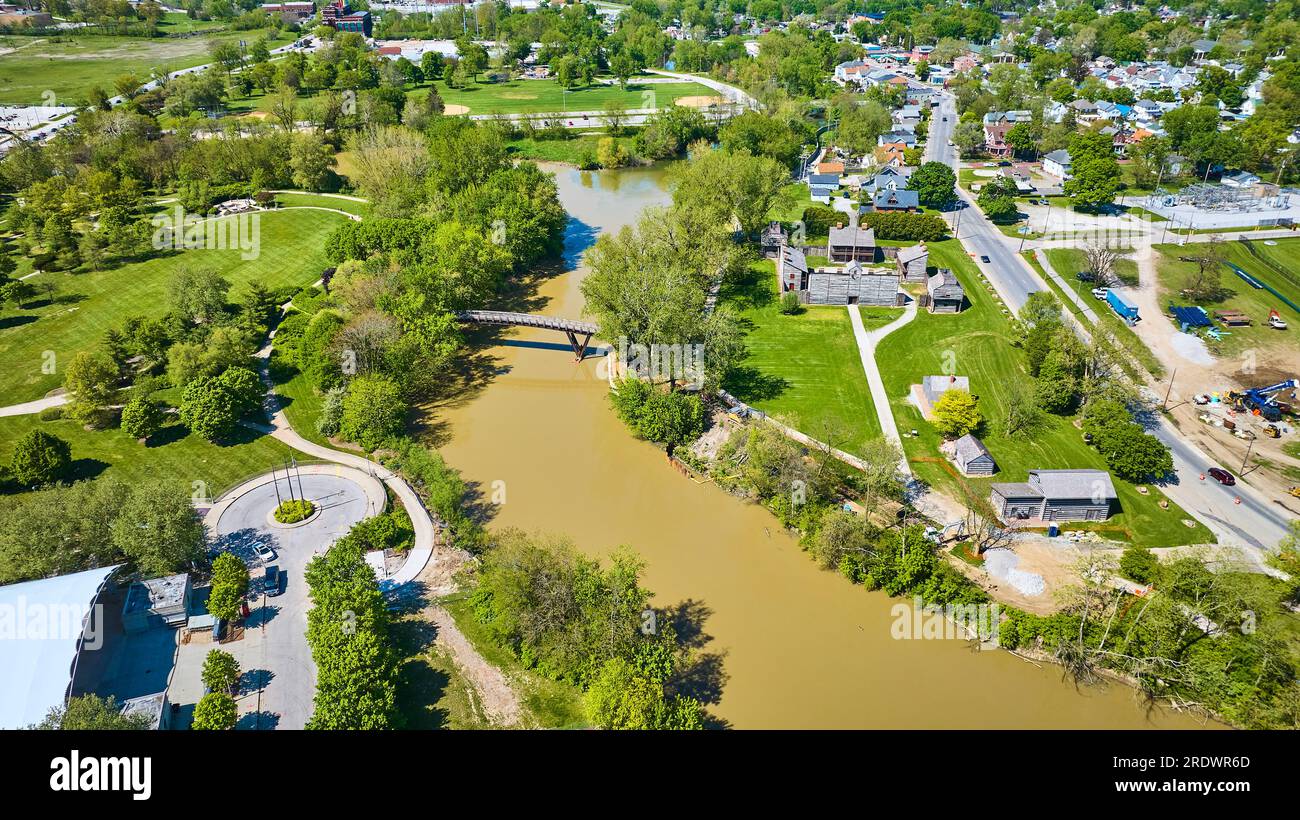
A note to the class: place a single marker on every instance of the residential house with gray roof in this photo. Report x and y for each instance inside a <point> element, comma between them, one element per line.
<point>1056,495</point>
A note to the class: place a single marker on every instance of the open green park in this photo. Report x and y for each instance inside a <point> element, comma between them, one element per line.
<point>70,65</point>
<point>1276,265</point>
<point>83,305</point>
<point>979,342</point>
<point>803,369</point>
<point>546,96</point>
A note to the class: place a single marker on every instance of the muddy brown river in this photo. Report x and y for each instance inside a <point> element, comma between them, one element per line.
<point>803,647</point>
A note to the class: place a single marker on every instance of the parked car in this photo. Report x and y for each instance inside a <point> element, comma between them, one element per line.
<point>265,553</point>
<point>1222,476</point>
<point>1099,293</point>
<point>985,259</point>
<point>271,580</point>
<point>1085,276</point>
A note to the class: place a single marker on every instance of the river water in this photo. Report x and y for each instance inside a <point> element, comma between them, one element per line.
<point>801,647</point>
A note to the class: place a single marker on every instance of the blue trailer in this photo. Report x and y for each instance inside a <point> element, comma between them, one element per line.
<point>1128,312</point>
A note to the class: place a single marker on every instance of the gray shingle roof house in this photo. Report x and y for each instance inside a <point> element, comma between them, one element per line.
<point>901,200</point>
<point>972,457</point>
<point>912,262</point>
<point>946,293</point>
<point>851,242</point>
<point>824,180</point>
<point>1056,495</point>
<point>773,238</point>
<point>791,269</point>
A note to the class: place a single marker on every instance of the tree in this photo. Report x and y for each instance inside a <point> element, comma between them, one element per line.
<point>623,697</point>
<point>92,713</point>
<point>40,458</point>
<point>212,406</point>
<point>215,711</point>
<point>91,379</point>
<point>1101,261</point>
<point>935,185</point>
<point>1022,138</point>
<point>159,530</point>
<point>1134,455</point>
<point>312,162</point>
<point>997,199</point>
<point>968,137</point>
<point>956,413</point>
<point>1205,282</point>
<point>730,187</point>
<point>229,586</point>
<point>373,411</point>
<point>1139,564</point>
<point>198,294</point>
<point>220,672</point>
<point>17,292</point>
<point>1021,415</point>
<point>1095,172</point>
<point>141,418</point>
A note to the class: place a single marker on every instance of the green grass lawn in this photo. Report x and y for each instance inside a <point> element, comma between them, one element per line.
<point>173,456</point>
<point>85,305</point>
<point>571,151</point>
<point>69,66</point>
<point>803,369</point>
<point>1066,262</point>
<point>978,342</point>
<point>1283,274</point>
<point>545,96</point>
<point>351,206</point>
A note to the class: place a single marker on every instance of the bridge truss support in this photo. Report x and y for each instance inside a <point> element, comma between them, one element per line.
<point>579,348</point>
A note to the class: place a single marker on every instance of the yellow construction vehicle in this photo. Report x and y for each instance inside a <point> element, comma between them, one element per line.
<point>1272,431</point>
<point>1295,491</point>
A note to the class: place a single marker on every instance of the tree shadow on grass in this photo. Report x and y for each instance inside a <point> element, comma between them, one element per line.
<point>749,384</point>
<point>748,291</point>
<point>170,434</point>
<point>88,468</point>
<point>16,321</point>
<point>420,685</point>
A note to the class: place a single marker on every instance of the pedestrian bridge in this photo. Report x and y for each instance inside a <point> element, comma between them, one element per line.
<point>572,328</point>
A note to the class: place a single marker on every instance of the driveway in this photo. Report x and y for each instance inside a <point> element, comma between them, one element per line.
<point>279,677</point>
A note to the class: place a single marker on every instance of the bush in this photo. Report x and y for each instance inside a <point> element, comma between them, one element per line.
<point>220,672</point>
<point>215,712</point>
<point>229,586</point>
<point>1139,564</point>
<point>956,413</point>
<point>373,411</point>
<point>906,227</point>
<point>51,413</point>
<point>40,458</point>
<point>667,418</point>
<point>294,510</point>
<point>790,303</point>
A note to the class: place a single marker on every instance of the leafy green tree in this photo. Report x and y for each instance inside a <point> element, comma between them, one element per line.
<point>1139,564</point>
<point>373,411</point>
<point>1095,173</point>
<point>40,458</point>
<point>220,672</point>
<point>956,413</point>
<point>198,294</point>
<point>141,418</point>
<point>997,199</point>
<point>215,711</point>
<point>935,185</point>
<point>91,378</point>
<point>312,162</point>
<point>229,586</point>
<point>622,697</point>
<point>92,713</point>
<point>159,530</point>
<point>213,406</point>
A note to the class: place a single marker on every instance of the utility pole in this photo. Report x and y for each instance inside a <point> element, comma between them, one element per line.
<point>1249,444</point>
<point>1170,389</point>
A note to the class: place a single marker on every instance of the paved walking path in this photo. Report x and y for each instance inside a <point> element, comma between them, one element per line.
<point>867,341</point>
<point>1084,308</point>
<point>29,407</point>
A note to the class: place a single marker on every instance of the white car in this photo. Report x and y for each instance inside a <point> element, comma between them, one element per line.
<point>265,553</point>
<point>1099,293</point>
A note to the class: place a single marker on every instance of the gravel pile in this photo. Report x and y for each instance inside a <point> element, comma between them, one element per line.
<point>1001,564</point>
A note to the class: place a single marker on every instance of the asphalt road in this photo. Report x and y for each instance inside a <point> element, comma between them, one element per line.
<point>1237,514</point>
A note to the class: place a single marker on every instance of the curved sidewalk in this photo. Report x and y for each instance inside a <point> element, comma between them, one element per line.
<point>376,498</point>
<point>867,342</point>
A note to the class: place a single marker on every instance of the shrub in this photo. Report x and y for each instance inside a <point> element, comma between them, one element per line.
<point>215,712</point>
<point>956,413</point>
<point>1139,564</point>
<point>373,411</point>
<point>790,303</point>
<point>668,418</point>
<point>294,510</point>
<point>141,418</point>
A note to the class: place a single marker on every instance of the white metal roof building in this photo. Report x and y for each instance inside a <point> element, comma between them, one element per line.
<point>42,624</point>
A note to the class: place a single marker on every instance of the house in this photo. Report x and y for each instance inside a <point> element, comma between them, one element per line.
<point>854,71</point>
<point>995,138</point>
<point>819,180</point>
<point>1056,495</point>
<point>791,269</point>
<point>821,194</point>
<point>772,238</point>
<point>157,602</point>
<point>852,284</point>
<point>897,137</point>
<point>1202,48</point>
<point>946,293</point>
<point>911,262</point>
<point>972,457</point>
<point>894,154</point>
<point>932,387</point>
<point>830,167</point>
<point>852,243</point>
<point>900,200</point>
<point>890,178</point>
<point>1057,163</point>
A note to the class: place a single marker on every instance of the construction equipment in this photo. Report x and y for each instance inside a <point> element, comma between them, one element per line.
<point>1295,491</point>
<point>1260,400</point>
<point>1271,431</point>
<point>1276,321</point>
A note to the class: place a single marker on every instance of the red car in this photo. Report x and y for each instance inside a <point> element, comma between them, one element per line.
<point>1222,476</point>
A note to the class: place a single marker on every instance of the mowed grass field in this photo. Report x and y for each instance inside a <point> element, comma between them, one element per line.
<point>310,200</point>
<point>978,342</point>
<point>173,457</point>
<point>69,66</point>
<point>545,96</point>
<point>1283,275</point>
<point>805,369</point>
<point>84,305</point>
